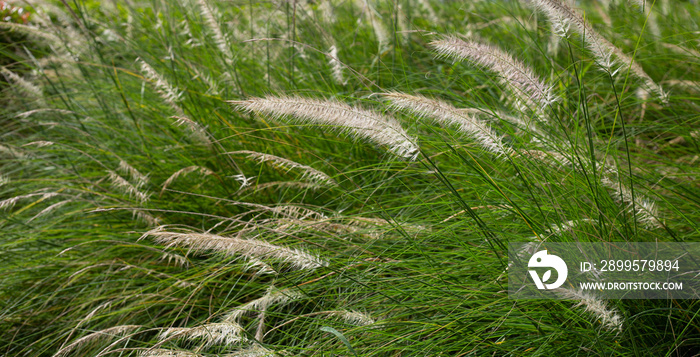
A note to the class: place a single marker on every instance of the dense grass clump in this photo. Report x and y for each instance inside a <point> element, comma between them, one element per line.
<point>209,178</point>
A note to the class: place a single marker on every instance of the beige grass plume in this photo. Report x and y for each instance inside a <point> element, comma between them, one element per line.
<point>227,333</point>
<point>184,171</point>
<point>169,93</point>
<point>336,66</point>
<point>26,87</point>
<point>608,317</point>
<point>127,187</point>
<point>106,333</point>
<point>521,80</point>
<point>10,202</point>
<point>447,114</point>
<point>363,123</point>
<point>564,18</point>
<point>253,248</point>
<point>353,317</point>
<point>308,172</point>
<point>645,208</point>
<point>254,350</point>
<point>222,42</point>
<point>162,352</point>
<point>126,169</point>
<point>273,296</point>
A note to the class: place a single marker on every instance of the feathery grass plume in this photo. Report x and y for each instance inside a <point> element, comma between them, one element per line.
<point>563,15</point>
<point>531,92</point>
<point>260,267</point>
<point>308,172</point>
<point>12,152</point>
<point>26,87</point>
<point>125,186</point>
<point>245,181</point>
<point>162,352</point>
<point>39,144</point>
<point>380,32</point>
<point>49,209</point>
<point>198,131</point>
<point>135,175</point>
<point>169,93</point>
<point>184,171</point>
<point>146,218</point>
<point>88,317</point>
<point>227,333</point>
<point>31,31</point>
<point>255,350</point>
<point>401,19</point>
<point>360,122</point>
<point>212,84</point>
<point>645,208</point>
<point>372,224</point>
<point>447,114</point>
<point>111,332</point>
<point>608,317</point>
<point>298,212</point>
<point>336,66</point>
<point>271,297</point>
<point>652,23</point>
<point>8,203</point>
<point>353,317</point>
<point>211,17</point>
<point>29,113</point>
<point>257,249</point>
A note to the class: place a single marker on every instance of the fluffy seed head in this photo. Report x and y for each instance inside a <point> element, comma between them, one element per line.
<point>125,186</point>
<point>272,296</point>
<point>608,317</point>
<point>232,245</point>
<point>308,171</point>
<point>644,207</point>
<point>447,114</point>
<point>210,16</point>
<point>213,333</point>
<point>340,116</point>
<point>560,13</point>
<point>354,317</point>
<point>169,93</point>
<point>109,333</point>
<point>530,90</point>
<point>336,66</point>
